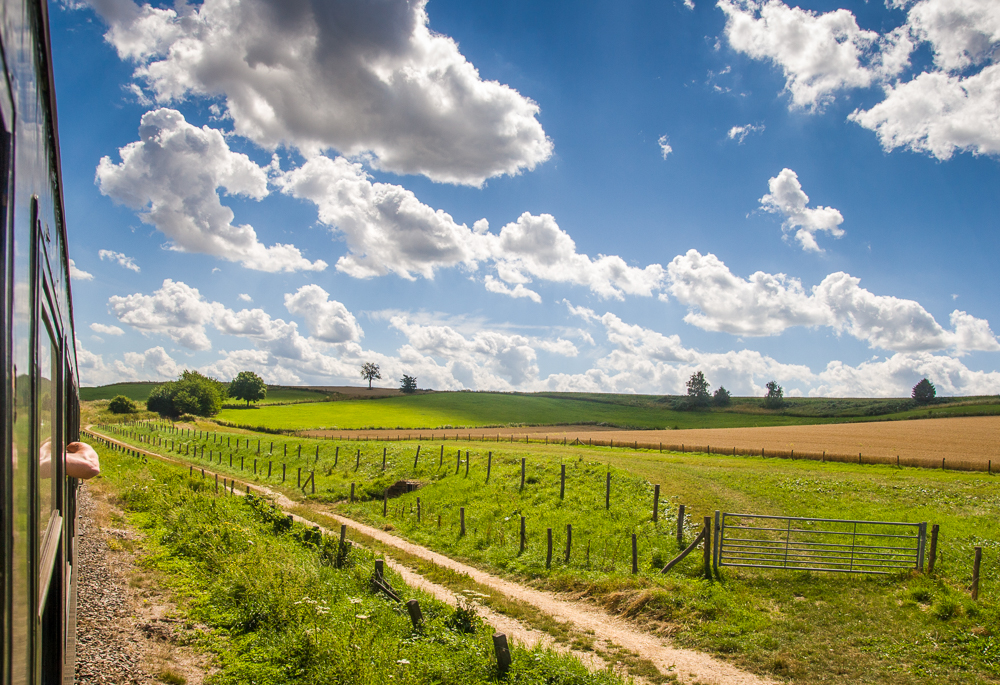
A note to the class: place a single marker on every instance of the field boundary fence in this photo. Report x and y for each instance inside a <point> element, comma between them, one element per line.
<point>814,544</point>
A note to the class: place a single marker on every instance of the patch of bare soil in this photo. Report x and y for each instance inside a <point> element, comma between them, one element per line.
<point>964,442</point>
<point>127,631</point>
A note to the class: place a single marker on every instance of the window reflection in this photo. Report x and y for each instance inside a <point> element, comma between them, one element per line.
<point>47,416</point>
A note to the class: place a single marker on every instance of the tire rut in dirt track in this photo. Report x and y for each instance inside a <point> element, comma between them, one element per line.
<point>688,665</point>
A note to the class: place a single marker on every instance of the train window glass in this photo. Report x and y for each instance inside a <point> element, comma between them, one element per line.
<point>50,453</point>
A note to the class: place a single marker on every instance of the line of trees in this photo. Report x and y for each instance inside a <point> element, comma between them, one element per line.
<point>699,395</point>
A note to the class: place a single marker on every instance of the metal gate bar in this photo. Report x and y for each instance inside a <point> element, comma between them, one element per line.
<point>839,545</point>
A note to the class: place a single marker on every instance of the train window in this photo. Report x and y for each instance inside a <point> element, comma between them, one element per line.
<point>49,450</point>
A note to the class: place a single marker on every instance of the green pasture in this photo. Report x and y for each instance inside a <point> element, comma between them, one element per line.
<point>279,603</point>
<point>809,627</point>
<point>472,410</point>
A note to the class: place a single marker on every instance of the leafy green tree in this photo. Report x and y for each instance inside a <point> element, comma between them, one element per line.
<point>698,395</point>
<point>370,371</point>
<point>248,386</point>
<point>775,396</point>
<point>120,404</point>
<point>924,392</point>
<point>408,384</point>
<point>721,398</point>
<point>192,393</point>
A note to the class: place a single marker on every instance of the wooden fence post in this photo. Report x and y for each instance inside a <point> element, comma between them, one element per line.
<point>385,501</point>
<point>352,492</point>
<point>458,462</point>
<point>502,652</point>
<point>357,463</point>
<point>418,510</point>
<point>312,477</point>
<point>269,468</point>
<point>707,561</point>
<point>413,607</point>
<point>316,460</point>
<point>635,555</point>
<point>336,456</point>
<point>680,525</point>
<point>523,538</point>
<point>298,478</point>
<point>461,514</point>
<point>933,554</point>
<point>562,482</point>
<point>416,457</point>
<point>569,539</point>
<point>489,466</point>
<point>975,573</point>
<point>522,473</point>
<point>466,463</point>
<point>607,492</point>
<point>656,503</point>
<point>548,555</point>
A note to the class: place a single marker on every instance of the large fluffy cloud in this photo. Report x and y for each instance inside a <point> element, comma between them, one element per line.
<point>359,77</point>
<point>328,320</point>
<point>176,310</point>
<point>386,228</point>
<point>819,54</point>
<point>789,200</point>
<point>952,107</point>
<point>535,246</point>
<point>173,174</point>
<point>767,304</point>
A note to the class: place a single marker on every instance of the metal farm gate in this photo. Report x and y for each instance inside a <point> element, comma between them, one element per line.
<point>811,544</point>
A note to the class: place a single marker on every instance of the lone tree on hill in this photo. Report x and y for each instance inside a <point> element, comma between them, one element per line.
<point>775,396</point>
<point>369,372</point>
<point>924,392</point>
<point>408,384</point>
<point>698,395</point>
<point>721,398</point>
<point>248,386</point>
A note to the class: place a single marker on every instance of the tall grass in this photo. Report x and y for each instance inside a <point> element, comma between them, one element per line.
<point>279,610</point>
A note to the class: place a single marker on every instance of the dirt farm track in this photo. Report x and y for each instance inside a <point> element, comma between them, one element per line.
<point>964,442</point>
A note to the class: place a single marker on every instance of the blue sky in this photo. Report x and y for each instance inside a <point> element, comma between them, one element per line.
<point>525,196</point>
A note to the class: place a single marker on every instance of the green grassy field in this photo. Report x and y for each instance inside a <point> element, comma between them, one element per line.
<point>440,410</point>
<point>276,604</point>
<point>808,627</point>
<point>472,410</point>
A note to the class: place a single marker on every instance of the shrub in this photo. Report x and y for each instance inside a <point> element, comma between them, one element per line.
<point>120,404</point>
<point>192,393</point>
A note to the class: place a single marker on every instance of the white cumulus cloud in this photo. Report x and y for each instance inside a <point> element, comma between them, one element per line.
<point>767,304</point>
<point>789,200</point>
<point>664,143</point>
<point>176,310</point>
<point>106,330</point>
<point>327,320</point>
<point>362,78</point>
<point>819,54</point>
<point>78,274</point>
<point>172,176</point>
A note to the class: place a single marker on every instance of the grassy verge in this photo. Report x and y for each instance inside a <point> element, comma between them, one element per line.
<point>809,627</point>
<point>276,607</point>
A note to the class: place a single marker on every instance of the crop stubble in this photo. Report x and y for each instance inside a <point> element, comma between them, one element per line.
<point>962,440</point>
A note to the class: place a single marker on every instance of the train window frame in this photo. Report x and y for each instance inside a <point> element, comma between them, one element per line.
<point>6,359</point>
<point>45,322</point>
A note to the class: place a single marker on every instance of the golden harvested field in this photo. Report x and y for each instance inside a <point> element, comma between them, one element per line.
<point>964,441</point>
